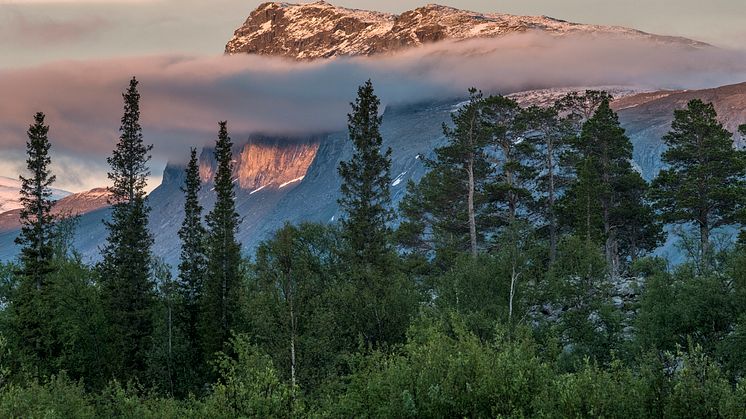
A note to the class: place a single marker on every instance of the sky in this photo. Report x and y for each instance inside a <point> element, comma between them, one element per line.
<point>73,58</point>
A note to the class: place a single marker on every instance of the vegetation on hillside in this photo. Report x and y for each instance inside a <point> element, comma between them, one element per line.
<point>520,282</point>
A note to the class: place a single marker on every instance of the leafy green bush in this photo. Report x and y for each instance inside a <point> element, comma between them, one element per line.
<point>57,397</point>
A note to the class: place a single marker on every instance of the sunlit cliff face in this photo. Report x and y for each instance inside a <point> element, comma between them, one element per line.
<point>270,164</point>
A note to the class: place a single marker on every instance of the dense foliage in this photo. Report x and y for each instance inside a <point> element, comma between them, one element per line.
<point>520,283</point>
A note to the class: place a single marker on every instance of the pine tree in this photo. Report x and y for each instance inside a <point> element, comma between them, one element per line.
<point>365,182</point>
<point>448,211</point>
<point>222,293</point>
<point>579,108</point>
<point>608,194</point>
<point>513,177</point>
<point>193,256</point>
<point>548,134</point>
<point>704,181</point>
<point>30,300</point>
<point>127,284</point>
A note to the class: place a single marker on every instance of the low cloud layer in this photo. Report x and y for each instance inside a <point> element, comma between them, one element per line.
<point>184,97</point>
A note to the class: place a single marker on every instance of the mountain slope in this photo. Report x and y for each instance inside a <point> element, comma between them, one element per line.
<point>321,30</point>
<point>10,194</point>
<point>295,179</point>
<point>71,205</point>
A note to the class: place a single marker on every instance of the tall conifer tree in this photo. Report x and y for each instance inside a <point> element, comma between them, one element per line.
<point>382,295</point>
<point>365,181</point>
<point>548,133</point>
<point>30,305</point>
<point>704,182</point>
<point>193,254</point>
<point>448,211</point>
<point>607,197</point>
<point>222,293</point>
<point>513,178</point>
<point>127,285</point>
<point>37,229</point>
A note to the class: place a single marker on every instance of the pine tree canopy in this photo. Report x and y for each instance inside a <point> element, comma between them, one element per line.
<point>704,181</point>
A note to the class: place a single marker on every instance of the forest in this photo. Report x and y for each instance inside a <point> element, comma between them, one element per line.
<point>518,278</point>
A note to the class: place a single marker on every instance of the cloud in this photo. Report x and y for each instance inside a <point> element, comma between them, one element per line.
<point>184,97</point>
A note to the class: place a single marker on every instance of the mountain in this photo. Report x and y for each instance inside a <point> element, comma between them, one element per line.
<point>71,205</point>
<point>647,117</point>
<point>294,179</point>
<point>10,194</point>
<point>283,179</point>
<point>321,30</point>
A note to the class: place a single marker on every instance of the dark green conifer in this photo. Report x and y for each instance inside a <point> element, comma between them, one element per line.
<point>548,133</point>
<point>448,211</point>
<point>30,301</point>
<point>193,262</point>
<point>127,284</point>
<point>37,231</point>
<point>365,182</point>
<point>704,181</point>
<point>512,181</point>
<point>607,198</point>
<point>222,293</point>
<point>372,276</point>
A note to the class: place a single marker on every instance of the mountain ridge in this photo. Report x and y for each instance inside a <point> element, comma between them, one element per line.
<point>321,30</point>
<point>10,197</point>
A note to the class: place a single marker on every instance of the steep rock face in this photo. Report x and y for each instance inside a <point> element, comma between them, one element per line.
<point>265,170</point>
<point>321,30</point>
<point>266,162</point>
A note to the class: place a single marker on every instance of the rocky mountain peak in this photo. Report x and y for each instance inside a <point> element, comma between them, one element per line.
<point>321,30</point>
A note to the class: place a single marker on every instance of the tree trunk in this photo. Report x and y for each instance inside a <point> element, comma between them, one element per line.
<point>704,237</point>
<point>470,203</point>
<point>513,280</point>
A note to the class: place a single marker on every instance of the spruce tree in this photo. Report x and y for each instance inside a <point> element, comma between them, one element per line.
<point>127,285</point>
<point>37,231</point>
<point>30,301</point>
<point>222,293</point>
<point>382,295</point>
<point>193,256</point>
<point>365,182</point>
<point>704,181</point>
